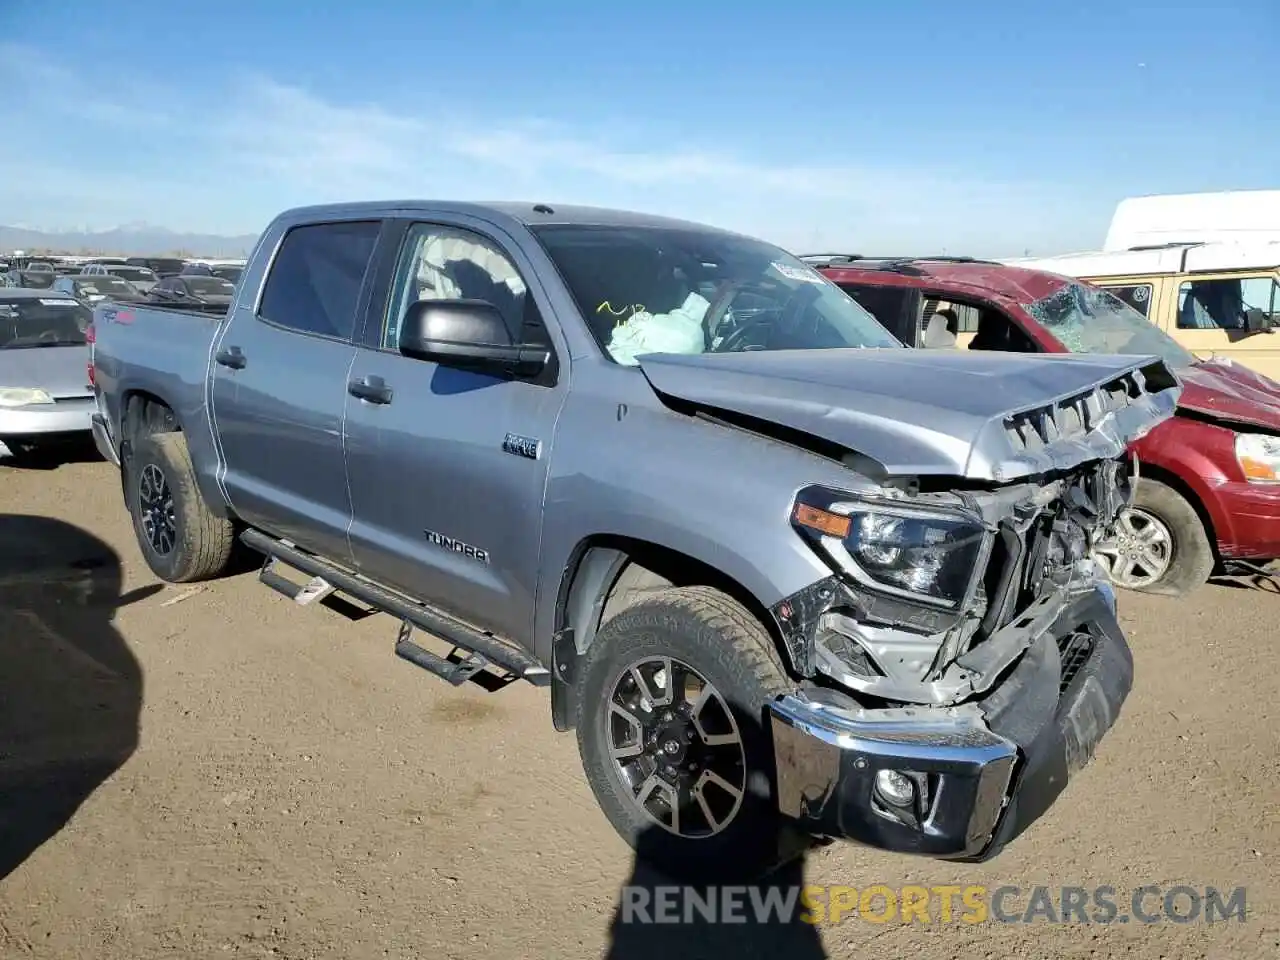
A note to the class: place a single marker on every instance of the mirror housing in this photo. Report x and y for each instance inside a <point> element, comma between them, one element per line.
<point>468,334</point>
<point>1255,321</point>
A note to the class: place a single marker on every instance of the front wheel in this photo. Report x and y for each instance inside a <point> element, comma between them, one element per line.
<point>672,729</point>
<point>1159,544</point>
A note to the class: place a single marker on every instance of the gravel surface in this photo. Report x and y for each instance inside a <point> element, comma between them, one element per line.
<point>215,772</point>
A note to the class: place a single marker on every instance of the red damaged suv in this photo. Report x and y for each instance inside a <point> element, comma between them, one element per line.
<point>1199,506</point>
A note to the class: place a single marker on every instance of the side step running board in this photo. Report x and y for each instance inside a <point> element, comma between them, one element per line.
<point>479,650</point>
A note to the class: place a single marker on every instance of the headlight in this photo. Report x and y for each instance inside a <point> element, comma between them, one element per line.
<point>22,396</point>
<point>1259,457</point>
<point>924,554</point>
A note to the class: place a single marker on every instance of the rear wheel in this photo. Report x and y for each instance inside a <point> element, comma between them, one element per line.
<point>1159,545</point>
<point>181,539</point>
<point>674,737</point>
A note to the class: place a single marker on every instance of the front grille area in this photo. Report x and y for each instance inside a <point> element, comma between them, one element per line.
<point>1074,650</point>
<point>1015,573</point>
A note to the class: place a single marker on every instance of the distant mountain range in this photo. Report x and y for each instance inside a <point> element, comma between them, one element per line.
<point>139,239</point>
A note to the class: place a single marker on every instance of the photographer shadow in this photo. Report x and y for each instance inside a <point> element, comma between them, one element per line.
<point>70,690</point>
<point>635,933</point>
<point>723,915</point>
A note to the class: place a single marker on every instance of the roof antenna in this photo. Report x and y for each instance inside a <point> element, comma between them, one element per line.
<point>542,208</point>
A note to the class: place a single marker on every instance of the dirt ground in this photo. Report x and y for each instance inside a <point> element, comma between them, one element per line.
<point>217,773</point>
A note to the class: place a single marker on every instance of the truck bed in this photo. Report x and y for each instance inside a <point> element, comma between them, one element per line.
<point>154,351</point>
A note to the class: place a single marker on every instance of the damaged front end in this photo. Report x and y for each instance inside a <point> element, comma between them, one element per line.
<point>936,594</point>
<point>964,654</point>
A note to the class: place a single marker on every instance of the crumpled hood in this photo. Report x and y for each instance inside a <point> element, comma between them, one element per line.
<point>62,371</point>
<point>1232,392</point>
<point>985,416</point>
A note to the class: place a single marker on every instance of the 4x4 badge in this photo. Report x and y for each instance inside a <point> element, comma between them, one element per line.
<point>522,446</point>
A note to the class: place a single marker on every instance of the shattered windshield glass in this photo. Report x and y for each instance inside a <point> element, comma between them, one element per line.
<point>1087,319</point>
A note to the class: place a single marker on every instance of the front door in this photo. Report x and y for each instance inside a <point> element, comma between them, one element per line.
<point>447,468</point>
<point>279,388</point>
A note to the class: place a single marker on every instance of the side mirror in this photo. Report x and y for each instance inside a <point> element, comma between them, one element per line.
<point>469,334</point>
<point>1255,321</point>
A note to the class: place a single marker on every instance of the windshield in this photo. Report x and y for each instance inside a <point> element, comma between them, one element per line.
<point>230,274</point>
<point>670,290</point>
<point>132,273</point>
<point>1087,319</point>
<point>44,322</point>
<point>208,286</point>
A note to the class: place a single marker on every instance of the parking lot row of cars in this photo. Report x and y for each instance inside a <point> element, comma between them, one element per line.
<point>193,283</point>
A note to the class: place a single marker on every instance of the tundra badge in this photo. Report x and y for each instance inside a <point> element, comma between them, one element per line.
<point>457,546</point>
<point>522,446</point>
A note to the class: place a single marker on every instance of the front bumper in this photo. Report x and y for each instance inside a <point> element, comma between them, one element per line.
<point>46,420</point>
<point>984,778</point>
<point>1249,528</point>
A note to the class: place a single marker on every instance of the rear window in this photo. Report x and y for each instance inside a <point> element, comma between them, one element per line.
<point>315,280</point>
<point>107,285</point>
<point>132,273</point>
<point>45,322</point>
<point>206,286</point>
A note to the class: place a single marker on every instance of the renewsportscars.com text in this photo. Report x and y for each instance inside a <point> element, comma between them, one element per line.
<point>878,903</point>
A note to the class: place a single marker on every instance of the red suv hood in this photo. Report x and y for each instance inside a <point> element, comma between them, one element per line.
<point>1231,392</point>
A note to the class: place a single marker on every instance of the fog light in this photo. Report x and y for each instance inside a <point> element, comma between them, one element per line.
<point>895,788</point>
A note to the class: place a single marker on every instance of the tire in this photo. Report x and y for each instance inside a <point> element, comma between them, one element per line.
<point>705,630</point>
<point>201,542</point>
<point>1190,554</point>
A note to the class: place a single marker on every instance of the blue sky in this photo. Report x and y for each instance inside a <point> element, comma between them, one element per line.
<point>987,127</point>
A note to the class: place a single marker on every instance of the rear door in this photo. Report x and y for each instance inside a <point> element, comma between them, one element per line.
<point>279,380</point>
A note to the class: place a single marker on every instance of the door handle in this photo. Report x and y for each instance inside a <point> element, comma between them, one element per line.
<point>372,389</point>
<point>231,357</point>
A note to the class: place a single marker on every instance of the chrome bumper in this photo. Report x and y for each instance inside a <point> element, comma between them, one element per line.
<point>981,773</point>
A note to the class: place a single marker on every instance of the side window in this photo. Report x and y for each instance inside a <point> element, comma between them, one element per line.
<point>896,308</point>
<point>446,263</point>
<point>315,279</point>
<point>1221,304</point>
<point>960,317</point>
<point>1261,293</point>
<point>1137,295</point>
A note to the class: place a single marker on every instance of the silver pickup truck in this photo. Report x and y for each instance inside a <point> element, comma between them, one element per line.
<point>784,577</point>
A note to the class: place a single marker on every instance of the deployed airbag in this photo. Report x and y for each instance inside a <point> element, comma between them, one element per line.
<point>679,331</point>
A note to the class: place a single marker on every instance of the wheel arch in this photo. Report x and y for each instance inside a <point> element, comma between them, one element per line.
<point>608,573</point>
<point>1180,486</point>
<point>142,413</point>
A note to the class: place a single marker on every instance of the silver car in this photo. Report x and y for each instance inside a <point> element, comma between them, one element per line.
<point>45,395</point>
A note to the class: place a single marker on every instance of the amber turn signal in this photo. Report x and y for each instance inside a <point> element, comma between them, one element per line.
<point>827,523</point>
